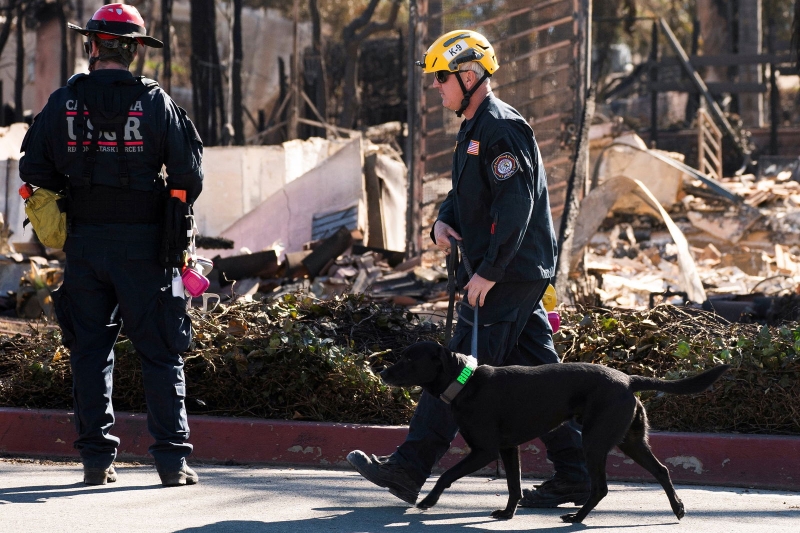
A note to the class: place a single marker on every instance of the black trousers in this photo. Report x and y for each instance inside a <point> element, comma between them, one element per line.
<point>108,283</point>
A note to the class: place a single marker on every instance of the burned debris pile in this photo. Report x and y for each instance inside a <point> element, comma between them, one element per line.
<point>333,266</point>
<point>662,231</point>
<point>299,357</point>
<point>761,393</point>
<point>293,357</point>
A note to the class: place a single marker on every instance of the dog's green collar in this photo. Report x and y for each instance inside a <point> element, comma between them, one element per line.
<point>455,387</point>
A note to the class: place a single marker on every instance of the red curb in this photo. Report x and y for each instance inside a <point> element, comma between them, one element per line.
<point>758,461</point>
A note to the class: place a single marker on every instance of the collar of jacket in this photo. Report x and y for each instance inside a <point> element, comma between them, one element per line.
<point>465,371</point>
<point>469,124</point>
<point>110,75</point>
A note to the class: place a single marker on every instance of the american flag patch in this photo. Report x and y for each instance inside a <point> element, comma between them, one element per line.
<point>472,149</point>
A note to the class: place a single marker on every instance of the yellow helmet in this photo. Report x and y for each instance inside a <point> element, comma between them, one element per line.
<point>457,47</point>
<point>549,298</point>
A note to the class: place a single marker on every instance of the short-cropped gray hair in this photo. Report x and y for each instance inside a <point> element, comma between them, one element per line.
<point>477,68</point>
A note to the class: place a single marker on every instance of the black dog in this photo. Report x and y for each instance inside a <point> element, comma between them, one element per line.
<point>499,408</point>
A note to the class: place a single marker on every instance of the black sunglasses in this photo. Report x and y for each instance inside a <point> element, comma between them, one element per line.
<point>442,75</point>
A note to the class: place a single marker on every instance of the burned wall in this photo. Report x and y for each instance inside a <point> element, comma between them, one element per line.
<point>382,79</point>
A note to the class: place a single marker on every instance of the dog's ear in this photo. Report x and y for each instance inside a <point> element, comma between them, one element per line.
<point>407,350</point>
<point>449,361</point>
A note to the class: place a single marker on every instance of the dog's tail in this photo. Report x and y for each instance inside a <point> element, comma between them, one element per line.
<point>691,385</point>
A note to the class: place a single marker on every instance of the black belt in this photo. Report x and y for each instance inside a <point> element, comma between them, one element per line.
<point>109,205</point>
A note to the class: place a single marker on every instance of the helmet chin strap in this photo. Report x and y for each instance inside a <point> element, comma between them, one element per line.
<point>467,93</point>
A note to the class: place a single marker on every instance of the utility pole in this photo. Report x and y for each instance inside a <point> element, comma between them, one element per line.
<point>413,225</point>
<point>295,85</point>
<point>653,78</point>
<point>236,75</point>
<point>166,23</point>
<point>751,105</point>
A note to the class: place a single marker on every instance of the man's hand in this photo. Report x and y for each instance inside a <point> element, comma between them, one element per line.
<point>442,233</point>
<point>477,289</point>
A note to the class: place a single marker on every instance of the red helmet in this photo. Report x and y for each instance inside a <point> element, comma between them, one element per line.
<point>118,20</point>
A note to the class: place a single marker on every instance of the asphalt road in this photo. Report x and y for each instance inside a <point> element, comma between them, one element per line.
<point>45,496</point>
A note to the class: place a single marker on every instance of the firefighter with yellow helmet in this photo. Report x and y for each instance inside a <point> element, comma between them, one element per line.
<point>456,50</point>
<point>499,209</point>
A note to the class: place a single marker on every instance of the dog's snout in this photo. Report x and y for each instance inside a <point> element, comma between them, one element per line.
<point>389,375</point>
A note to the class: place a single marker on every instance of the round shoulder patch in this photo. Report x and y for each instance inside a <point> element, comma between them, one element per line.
<point>504,166</point>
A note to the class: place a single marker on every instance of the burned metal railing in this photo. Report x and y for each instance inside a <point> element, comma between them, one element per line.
<point>709,145</point>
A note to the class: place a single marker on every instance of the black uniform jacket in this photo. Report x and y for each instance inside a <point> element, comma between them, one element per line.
<point>499,202</point>
<point>157,133</point>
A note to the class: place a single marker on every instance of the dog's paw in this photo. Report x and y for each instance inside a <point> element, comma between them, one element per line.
<point>571,518</point>
<point>679,511</point>
<point>503,514</point>
<point>427,503</point>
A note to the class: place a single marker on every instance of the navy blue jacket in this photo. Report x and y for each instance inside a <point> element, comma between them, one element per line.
<point>157,133</point>
<point>499,202</point>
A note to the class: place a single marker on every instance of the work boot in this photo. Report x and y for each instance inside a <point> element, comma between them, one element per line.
<point>99,476</point>
<point>176,478</point>
<point>385,472</point>
<point>555,491</point>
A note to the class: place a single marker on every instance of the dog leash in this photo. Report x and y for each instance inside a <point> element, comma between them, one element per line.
<point>452,269</point>
<point>472,361</point>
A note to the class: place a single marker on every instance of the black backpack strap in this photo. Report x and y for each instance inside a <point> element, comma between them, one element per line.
<point>147,82</point>
<point>122,157</point>
<point>119,121</point>
<point>90,155</point>
<point>145,85</point>
<point>75,78</point>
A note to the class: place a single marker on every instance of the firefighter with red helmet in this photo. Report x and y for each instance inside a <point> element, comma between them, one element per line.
<point>118,29</point>
<point>102,142</point>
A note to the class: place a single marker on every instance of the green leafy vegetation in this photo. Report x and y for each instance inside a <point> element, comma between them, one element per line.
<point>760,394</point>
<point>305,359</point>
